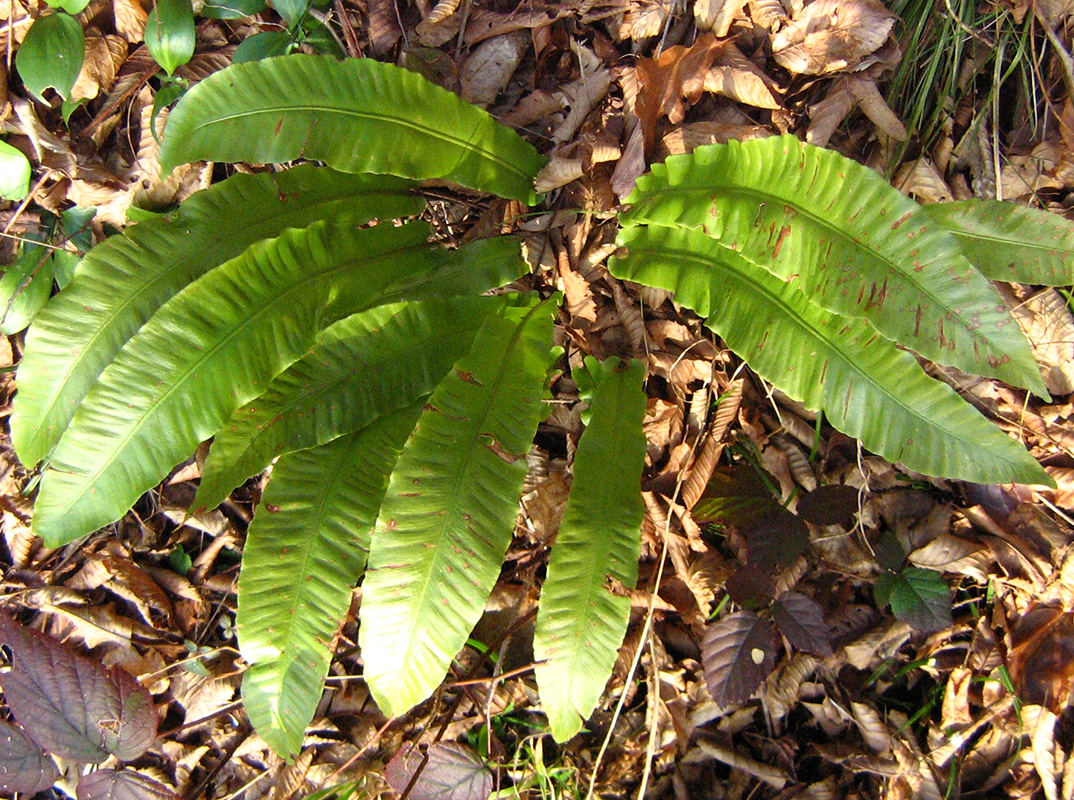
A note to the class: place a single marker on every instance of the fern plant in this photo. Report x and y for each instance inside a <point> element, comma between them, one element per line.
<point>288,316</point>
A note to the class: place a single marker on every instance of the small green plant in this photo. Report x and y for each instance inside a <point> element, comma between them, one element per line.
<point>399,399</point>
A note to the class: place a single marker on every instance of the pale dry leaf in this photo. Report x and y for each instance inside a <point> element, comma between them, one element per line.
<point>631,317</point>
<point>104,56</point>
<point>484,23</point>
<point>577,294</point>
<point>687,138</point>
<point>773,776</point>
<point>130,17</point>
<point>205,63</point>
<point>955,710</point>
<point>745,87</point>
<point>201,696</point>
<point>769,14</point>
<point>826,115</point>
<point>630,167</point>
<point>559,171</point>
<point>440,25</point>
<point>832,36</point>
<point>717,15</point>
<point>645,18</point>
<point>91,625</point>
<point>921,180</point>
<point>488,69</point>
<point>1047,322</point>
<point>51,151</point>
<point>946,552</point>
<point>873,105</point>
<point>783,690</point>
<point>872,727</point>
<point>291,779</point>
<point>582,95</point>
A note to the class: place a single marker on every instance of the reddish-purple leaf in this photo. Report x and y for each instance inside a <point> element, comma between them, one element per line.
<point>737,654</point>
<point>453,772</point>
<point>734,496</point>
<point>829,505</point>
<point>751,587</point>
<point>775,539</point>
<point>70,705</point>
<point>801,620</point>
<point>110,784</point>
<point>24,767</point>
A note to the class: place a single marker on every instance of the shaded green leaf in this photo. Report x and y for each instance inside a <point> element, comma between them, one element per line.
<point>215,346</point>
<point>51,55</point>
<point>918,597</point>
<point>292,11</point>
<point>265,44</point>
<point>169,33</point>
<point>25,287</point>
<point>232,9</point>
<point>449,512</point>
<point>868,388</point>
<point>585,600</point>
<point>15,172</point>
<point>850,242</point>
<point>1009,242</point>
<point>122,282</point>
<point>305,550</point>
<point>356,115</point>
<point>361,367</point>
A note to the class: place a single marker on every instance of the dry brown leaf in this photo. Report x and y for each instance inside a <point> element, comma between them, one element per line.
<point>441,24</point>
<point>688,137</point>
<point>717,15</point>
<point>745,87</point>
<point>52,152</point>
<point>130,17</point>
<point>382,25</point>
<point>955,709</point>
<point>826,115</point>
<point>559,172</point>
<point>631,317</point>
<point>872,727</point>
<point>484,23</point>
<point>1047,322</point>
<point>921,180</point>
<point>769,14</point>
<point>676,73</point>
<point>832,36</point>
<point>873,105</point>
<point>644,19</point>
<point>488,69</point>
<point>104,56</point>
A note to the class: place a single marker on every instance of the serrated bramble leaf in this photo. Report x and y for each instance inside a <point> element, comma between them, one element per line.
<point>801,620</point>
<point>356,115</point>
<point>735,495</point>
<point>918,597</point>
<point>126,784</point>
<point>122,282</point>
<point>447,771</point>
<point>305,550</point>
<point>24,767</point>
<point>834,504</point>
<point>737,652</point>
<point>70,705</point>
<point>449,512</point>
<point>585,605</point>
<point>852,244</point>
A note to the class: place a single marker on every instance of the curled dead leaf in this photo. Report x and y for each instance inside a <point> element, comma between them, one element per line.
<point>832,36</point>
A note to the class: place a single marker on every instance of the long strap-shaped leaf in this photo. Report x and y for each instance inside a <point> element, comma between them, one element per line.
<point>1013,243</point>
<point>356,115</point>
<point>449,512</point>
<point>582,619</point>
<point>867,387</point>
<point>361,367</point>
<point>123,281</point>
<point>304,552</point>
<point>217,344</point>
<point>849,241</point>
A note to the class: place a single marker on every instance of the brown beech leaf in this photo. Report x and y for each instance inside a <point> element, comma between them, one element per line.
<point>489,68</point>
<point>676,73</point>
<point>769,14</point>
<point>737,653</point>
<point>873,105</point>
<point>832,36</point>
<point>801,620</point>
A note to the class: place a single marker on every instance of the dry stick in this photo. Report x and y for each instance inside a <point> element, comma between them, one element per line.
<point>354,47</point>
<point>1061,51</point>
<point>372,740</point>
<point>244,733</point>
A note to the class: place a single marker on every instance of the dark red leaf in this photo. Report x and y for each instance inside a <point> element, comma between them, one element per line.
<point>70,705</point>
<point>453,772</point>
<point>775,539</point>
<point>738,652</point>
<point>829,505</point>
<point>801,620</point>
<point>110,784</point>
<point>751,587</point>
<point>24,767</point>
<point>734,496</point>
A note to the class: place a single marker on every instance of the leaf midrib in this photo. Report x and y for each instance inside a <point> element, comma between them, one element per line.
<point>433,133</point>
<point>89,479</point>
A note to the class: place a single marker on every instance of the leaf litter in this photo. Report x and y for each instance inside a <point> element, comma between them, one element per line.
<point>811,649</point>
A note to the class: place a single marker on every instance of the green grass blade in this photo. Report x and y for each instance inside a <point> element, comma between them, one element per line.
<point>583,617</point>
<point>361,367</point>
<point>866,386</point>
<point>305,550</point>
<point>849,241</point>
<point>123,281</point>
<point>1012,243</point>
<point>356,115</point>
<point>211,348</point>
<point>449,512</point>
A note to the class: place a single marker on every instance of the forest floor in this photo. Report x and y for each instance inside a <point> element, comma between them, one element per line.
<point>971,703</point>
